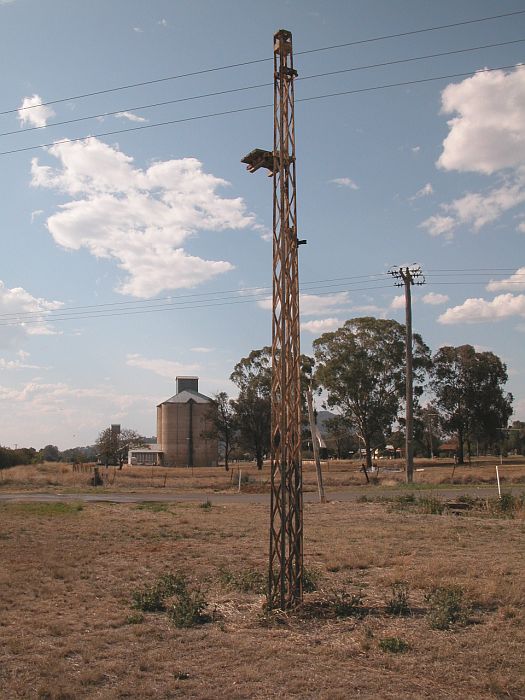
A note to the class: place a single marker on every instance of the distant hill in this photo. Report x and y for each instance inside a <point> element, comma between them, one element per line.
<point>322,417</point>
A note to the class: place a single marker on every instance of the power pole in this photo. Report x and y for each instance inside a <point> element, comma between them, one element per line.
<point>408,276</point>
<point>285,575</point>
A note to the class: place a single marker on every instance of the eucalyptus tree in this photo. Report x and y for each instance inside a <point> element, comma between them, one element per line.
<point>253,377</point>
<point>469,390</point>
<point>362,368</point>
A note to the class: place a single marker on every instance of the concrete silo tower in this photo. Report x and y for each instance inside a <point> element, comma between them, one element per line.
<point>182,422</point>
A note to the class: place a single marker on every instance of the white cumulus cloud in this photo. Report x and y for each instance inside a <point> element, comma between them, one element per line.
<point>487,132</point>
<point>130,117</point>
<point>21,362</point>
<point>514,283</point>
<point>398,302</point>
<point>23,314</point>
<point>438,225</point>
<point>321,325</point>
<point>162,367</point>
<point>476,310</point>
<point>33,113</point>
<point>425,191</point>
<point>140,218</point>
<point>314,304</point>
<point>345,182</point>
<point>434,299</point>
<point>486,136</point>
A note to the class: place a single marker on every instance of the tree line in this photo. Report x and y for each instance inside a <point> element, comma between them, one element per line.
<point>359,370</point>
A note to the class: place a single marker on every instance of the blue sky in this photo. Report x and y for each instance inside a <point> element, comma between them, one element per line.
<point>430,173</point>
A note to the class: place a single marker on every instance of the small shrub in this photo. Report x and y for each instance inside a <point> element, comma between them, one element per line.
<point>151,598</point>
<point>394,645</point>
<point>347,604</point>
<point>507,503</point>
<point>431,505</point>
<point>188,608</point>
<point>398,603</point>
<point>446,607</point>
<point>245,581</point>
<point>148,600</point>
<point>311,579</point>
<point>181,676</point>
<point>135,619</point>
<point>406,499</point>
<point>206,505</point>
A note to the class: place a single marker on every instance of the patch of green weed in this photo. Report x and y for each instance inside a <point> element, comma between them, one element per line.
<point>447,607</point>
<point>398,603</point>
<point>394,645</point>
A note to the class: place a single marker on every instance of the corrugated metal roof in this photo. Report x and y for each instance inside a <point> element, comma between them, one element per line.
<point>186,395</point>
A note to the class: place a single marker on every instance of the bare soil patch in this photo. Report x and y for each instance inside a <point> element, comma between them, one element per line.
<point>68,628</point>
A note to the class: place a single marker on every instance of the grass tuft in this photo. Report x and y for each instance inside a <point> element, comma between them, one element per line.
<point>398,603</point>
<point>245,580</point>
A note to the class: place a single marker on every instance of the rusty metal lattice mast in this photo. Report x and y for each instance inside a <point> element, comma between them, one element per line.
<point>286,522</point>
<point>286,529</point>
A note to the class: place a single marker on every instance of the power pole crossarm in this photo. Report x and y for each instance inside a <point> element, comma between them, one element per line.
<point>408,276</point>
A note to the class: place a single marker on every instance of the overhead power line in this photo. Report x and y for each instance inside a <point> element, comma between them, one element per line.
<point>247,293</point>
<point>258,86</point>
<point>263,60</point>
<point>239,110</point>
<point>342,284</point>
<point>46,317</point>
<point>203,300</point>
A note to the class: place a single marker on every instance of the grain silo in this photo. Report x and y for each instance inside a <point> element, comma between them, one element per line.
<point>182,424</point>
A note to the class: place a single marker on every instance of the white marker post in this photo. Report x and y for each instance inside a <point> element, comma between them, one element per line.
<point>497,478</point>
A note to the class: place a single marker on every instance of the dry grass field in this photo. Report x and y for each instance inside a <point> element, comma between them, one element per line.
<point>336,475</point>
<point>70,574</point>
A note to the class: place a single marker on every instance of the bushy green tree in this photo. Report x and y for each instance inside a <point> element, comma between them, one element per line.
<point>112,448</point>
<point>253,376</point>
<point>469,389</point>
<point>362,367</point>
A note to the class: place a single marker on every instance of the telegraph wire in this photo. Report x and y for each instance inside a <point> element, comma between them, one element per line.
<point>344,283</point>
<point>255,87</point>
<point>250,109</point>
<point>263,60</point>
<point>44,316</point>
<point>172,300</point>
<point>248,293</point>
<point>52,316</point>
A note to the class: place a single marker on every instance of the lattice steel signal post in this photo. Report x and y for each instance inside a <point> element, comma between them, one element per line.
<point>285,577</point>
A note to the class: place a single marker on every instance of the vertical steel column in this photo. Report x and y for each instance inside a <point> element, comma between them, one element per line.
<point>286,529</point>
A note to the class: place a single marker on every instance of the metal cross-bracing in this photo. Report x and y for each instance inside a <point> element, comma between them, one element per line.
<point>285,587</point>
<point>286,528</point>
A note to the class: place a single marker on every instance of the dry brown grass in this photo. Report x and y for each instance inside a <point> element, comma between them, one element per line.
<point>336,475</point>
<point>68,574</point>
